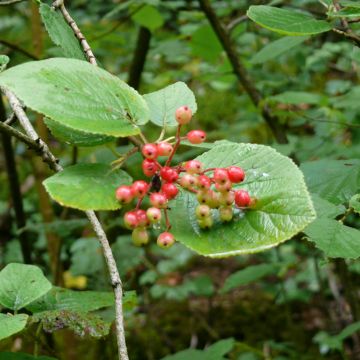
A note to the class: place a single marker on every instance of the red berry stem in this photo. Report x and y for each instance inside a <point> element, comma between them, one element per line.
<point>207,170</point>
<point>167,221</point>
<point>177,143</point>
<point>138,204</point>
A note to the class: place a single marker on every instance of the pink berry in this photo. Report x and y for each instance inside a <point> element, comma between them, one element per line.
<point>150,151</point>
<point>140,236</point>
<point>141,217</point>
<point>124,194</point>
<point>224,187</point>
<point>169,174</point>
<point>221,176</point>
<point>165,240</point>
<point>236,174</point>
<point>131,220</point>
<point>153,214</point>
<point>183,115</point>
<point>204,182</point>
<point>242,198</point>
<point>158,200</point>
<point>149,167</point>
<point>193,167</point>
<point>164,148</point>
<point>188,181</point>
<point>196,136</point>
<point>202,211</point>
<point>170,190</point>
<point>140,188</point>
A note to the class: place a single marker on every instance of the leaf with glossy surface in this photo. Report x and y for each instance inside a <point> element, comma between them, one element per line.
<point>78,95</point>
<point>87,186</point>
<point>163,103</point>
<point>283,206</point>
<point>21,284</point>
<point>286,22</point>
<point>11,324</point>
<point>334,239</point>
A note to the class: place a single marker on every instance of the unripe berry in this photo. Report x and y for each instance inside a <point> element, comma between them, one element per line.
<point>169,174</point>
<point>141,218</point>
<point>188,181</point>
<point>226,213</point>
<point>153,214</point>
<point>214,200</point>
<point>164,148</point>
<point>204,182</point>
<point>165,240</point>
<point>196,136</point>
<point>242,198</point>
<point>158,200</point>
<point>202,211</point>
<point>227,198</point>
<point>140,188</point>
<point>236,174</point>
<point>203,197</point>
<point>221,176</point>
<point>170,190</point>
<point>150,151</point>
<point>224,187</point>
<point>149,167</point>
<point>206,223</point>
<point>193,167</point>
<point>131,220</point>
<point>183,115</point>
<point>140,236</point>
<point>124,194</point>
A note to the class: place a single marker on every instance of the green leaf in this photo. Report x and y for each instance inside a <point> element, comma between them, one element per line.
<point>249,275</point>
<point>4,60</point>
<point>22,356</point>
<point>87,186</point>
<point>60,32</point>
<point>334,180</point>
<point>11,324</point>
<point>65,299</point>
<point>352,4</point>
<point>282,209</point>
<point>326,209</point>
<point>348,12</point>
<point>149,17</point>
<point>76,137</point>
<point>21,284</point>
<point>205,44</point>
<point>163,103</point>
<point>286,22</point>
<point>78,95</point>
<point>334,239</point>
<point>219,349</point>
<point>348,101</point>
<point>355,203</point>
<point>277,48</point>
<point>297,97</point>
<point>186,355</point>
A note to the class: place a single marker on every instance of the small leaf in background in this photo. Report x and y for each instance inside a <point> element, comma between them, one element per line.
<point>286,22</point>
<point>163,103</point>
<point>4,60</point>
<point>334,239</point>
<point>21,284</point>
<point>326,209</point>
<point>205,44</point>
<point>355,203</point>
<point>87,186</point>
<point>60,32</point>
<point>78,95</point>
<point>149,17</point>
<point>298,97</point>
<point>351,4</point>
<point>276,48</point>
<point>11,324</point>
<point>22,356</point>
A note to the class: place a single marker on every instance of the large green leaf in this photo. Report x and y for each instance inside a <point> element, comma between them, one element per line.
<point>163,103</point>
<point>21,284</point>
<point>285,21</point>
<point>326,209</point>
<point>11,324</point>
<point>87,186</point>
<point>78,95</point>
<point>334,239</point>
<point>283,206</point>
<point>60,32</point>
<point>334,180</point>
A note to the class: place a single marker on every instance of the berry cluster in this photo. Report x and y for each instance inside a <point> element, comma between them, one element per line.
<point>212,192</point>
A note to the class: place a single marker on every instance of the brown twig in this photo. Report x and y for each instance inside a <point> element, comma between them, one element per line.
<point>18,49</point>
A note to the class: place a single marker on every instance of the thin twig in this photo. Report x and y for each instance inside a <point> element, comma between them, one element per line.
<point>234,23</point>
<point>10,120</point>
<point>9,2</point>
<point>351,36</point>
<point>18,49</point>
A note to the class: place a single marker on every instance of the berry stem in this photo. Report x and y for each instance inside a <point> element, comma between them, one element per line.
<point>207,170</point>
<point>138,204</point>
<point>177,143</point>
<point>167,221</point>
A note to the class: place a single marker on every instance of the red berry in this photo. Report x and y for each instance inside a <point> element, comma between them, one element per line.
<point>158,200</point>
<point>221,176</point>
<point>140,236</point>
<point>170,190</point>
<point>164,148</point>
<point>188,181</point>
<point>141,217</point>
<point>165,240</point>
<point>193,167</point>
<point>153,214</point>
<point>196,136</point>
<point>183,115</point>
<point>124,194</point>
<point>169,174</point>
<point>236,174</point>
<point>149,167</point>
<point>140,188</point>
<point>150,151</point>
<point>204,182</point>
<point>131,220</point>
<point>242,198</point>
